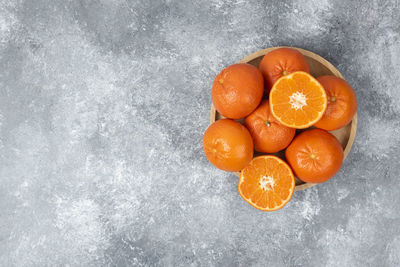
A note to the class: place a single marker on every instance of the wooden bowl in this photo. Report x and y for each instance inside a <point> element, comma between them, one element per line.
<point>318,67</point>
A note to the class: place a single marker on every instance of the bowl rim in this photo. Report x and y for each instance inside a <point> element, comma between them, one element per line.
<point>328,65</point>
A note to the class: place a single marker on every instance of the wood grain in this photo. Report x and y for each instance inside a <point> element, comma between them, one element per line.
<point>318,67</point>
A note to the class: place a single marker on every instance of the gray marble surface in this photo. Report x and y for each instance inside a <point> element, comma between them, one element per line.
<point>103,105</point>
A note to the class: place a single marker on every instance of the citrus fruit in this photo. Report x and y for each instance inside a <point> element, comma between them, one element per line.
<point>268,134</point>
<point>267,183</point>
<point>228,145</point>
<point>297,100</point>
<point>315,156</point>
<point>237,90</point>
<point>342,103</point>
<point>280,62</point>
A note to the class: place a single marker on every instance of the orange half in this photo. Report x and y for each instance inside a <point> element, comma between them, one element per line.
<point>267,183</point>
<point>298,100</point>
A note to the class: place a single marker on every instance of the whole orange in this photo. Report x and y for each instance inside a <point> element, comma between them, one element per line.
<point>315,156</point>
<point>268,134</point>
<point>237,90</point>
<point>342,103</point>
<point>228,145</point>
<point>281,62</point>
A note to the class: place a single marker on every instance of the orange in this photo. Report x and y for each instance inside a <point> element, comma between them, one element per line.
<point>315,156</point>
<point>280,62</point>
<point>237,90</point>
<point>297,100</point>
<point>228,145</point>
<point>267,183</point>
<point>268,134</point>
<point>342,103</point>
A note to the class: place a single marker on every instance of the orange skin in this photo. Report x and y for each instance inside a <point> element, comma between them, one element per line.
<point>281,62</point>
<point>342,103</point>
<point>237,90</point>
<point>268,134</point>
<point>315,156</point>
<point>228,145</point>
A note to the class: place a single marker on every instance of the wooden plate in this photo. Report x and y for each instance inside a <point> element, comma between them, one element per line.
<point>318,67</point>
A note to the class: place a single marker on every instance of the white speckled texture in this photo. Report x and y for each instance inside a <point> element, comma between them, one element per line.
<point>103,105</point>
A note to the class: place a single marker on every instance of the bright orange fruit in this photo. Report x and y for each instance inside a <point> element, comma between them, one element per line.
<point>280,62</point>
<point>267,183</point>
<point>228,145</point>
<point>315,156</point>
<point>342,103</point>
<point>237,90</point>
<point>268,134</point>
<point>297,100</point>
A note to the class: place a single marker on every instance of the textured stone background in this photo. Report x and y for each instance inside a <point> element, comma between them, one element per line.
<point>102,109</point>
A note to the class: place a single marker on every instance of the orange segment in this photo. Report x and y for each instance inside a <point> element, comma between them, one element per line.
<point>298,100</point>
<point>267,183</point>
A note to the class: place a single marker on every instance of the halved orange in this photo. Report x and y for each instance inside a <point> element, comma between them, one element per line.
<point>297,100</point>
<point>267,183</point>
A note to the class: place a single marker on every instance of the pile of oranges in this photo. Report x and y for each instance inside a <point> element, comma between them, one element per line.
<point>263,107</point>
